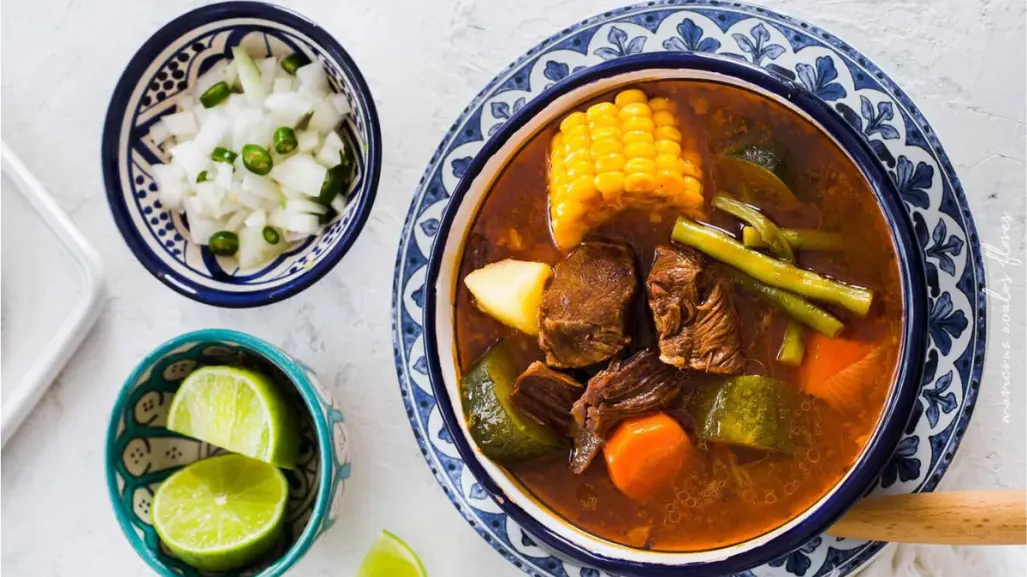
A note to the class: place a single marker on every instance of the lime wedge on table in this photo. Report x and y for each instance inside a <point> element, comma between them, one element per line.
<point>221,513</point>
<point>390,557</point>
<point>239,410</point>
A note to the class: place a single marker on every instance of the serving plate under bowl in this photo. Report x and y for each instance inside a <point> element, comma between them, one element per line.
<point>843,80</point>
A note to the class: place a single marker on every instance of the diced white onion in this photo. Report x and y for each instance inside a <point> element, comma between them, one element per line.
<point>331,151</point>
<point>181,124</point>
<point>302,173</point>
<point>190,158</point>
<point>304,206</point>
<point>339,203</point>
<point>231,197</point>
<point>340,102</point>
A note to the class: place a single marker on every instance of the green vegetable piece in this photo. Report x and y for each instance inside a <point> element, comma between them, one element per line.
<point>770,270</point>
<point>749,411</point>
<point>271,235</point>
<point>223,243</point>
<point>338,178</point>
<point>256,159</point>
<point>202,176</point>
<point>294,62</point>
<point>766,227</point>
<point>222,154</point>
<point>498,428</point>
<point>285,140</point>
<point>798,238</point>
<point>304,121</point>
<point>793,345</point>
<point>215,95</point>
<point>756,171</point>
<point>799,308</point>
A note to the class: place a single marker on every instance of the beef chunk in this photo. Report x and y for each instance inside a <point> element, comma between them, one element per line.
<point>641,384</point>
<point>694,313</point>
<point>584,311</point>
<point>547,396</point>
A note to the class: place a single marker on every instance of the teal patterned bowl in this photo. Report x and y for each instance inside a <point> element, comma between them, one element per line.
<point>141,452</point>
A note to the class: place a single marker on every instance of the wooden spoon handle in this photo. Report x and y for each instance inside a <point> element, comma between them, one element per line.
<point>951,518</point>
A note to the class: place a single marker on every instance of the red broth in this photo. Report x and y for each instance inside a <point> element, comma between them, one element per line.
<point>724,495</point>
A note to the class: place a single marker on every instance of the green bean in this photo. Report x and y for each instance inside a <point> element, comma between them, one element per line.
<point>285,140</point>
<point>793,344</point>
<point>271,235</point>
<point>294,62</point>
<point>215,95</point>
<point>770,270</point>
<point>256,159</point>
<point>799,308</point>
<point>799,238</point>
<point>223,243</point>
<point>222,154</point>
<point>767,229</point>
<point>202,176</point>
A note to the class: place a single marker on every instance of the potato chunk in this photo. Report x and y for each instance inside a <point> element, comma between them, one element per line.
<point>510,291</point>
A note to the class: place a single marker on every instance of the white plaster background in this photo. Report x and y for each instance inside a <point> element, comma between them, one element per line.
<point>962,61</point>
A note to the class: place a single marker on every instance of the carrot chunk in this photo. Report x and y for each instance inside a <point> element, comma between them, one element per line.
<point>645,454</point>
<point>837,370</point>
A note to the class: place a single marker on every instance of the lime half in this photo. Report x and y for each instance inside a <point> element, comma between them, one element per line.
<point>390,557</point>
<point>221,513</point>
<point>238,410</point>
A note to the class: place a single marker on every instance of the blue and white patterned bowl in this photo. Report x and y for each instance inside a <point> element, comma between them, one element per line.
<point>141,453</point>
<point>844,80</point>
<point>168,63</point>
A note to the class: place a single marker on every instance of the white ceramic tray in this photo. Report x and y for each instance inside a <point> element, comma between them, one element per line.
<point>52,285</point>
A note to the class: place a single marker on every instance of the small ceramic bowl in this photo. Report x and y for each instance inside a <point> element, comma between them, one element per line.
<point>141,453</point>
<point>552,530</point>
<point>168,64</point>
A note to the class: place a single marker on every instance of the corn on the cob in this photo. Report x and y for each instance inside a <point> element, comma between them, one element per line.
<point>616,155</point>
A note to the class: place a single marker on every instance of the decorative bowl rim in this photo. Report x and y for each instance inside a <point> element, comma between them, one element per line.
<point>304,387</point>
<point>116,115</point>
<point>909,365</point>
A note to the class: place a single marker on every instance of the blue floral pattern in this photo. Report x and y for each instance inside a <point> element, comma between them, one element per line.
<point>691,39</point>
<point>621,45</point>
<point>866,99</point>
<point>504,111</point>
<point>759,46</point>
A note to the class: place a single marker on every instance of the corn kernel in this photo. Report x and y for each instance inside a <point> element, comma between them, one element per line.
<point>667,133</point>
<point>668,147</point>
<point>630,96</point>
<point>635,109</point>
<point>670,162</point>
<point>601,109</point>
<point>669,183</point>
<point>638,123</point>
<point>577,143</point>
<point>572,120</point>
<point>609,162</point>
<point>640,149</point>
<point>579,169</point>
<point>610,184</point>
<point>604,121</point>
<point>611,133</point>
<point>606,146</point>
<point>691,169</point>
<point>582,187</point>
<point>640,165</point>
<point>580,155</point>
<point>640,182</point>
<point>637,136</point>
<point>660,104</point>
<point>664,118</point>
<point>557,141</point>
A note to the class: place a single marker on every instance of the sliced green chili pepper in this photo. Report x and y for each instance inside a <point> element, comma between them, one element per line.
<point>256,159</point>
<point>772,271</point>
<point>285,140</point>
<point>202,176</point>
<point>271,235</point>
<point>294,62</point>
<point>338,178</point>
<point>222,154</point>
<point>224,243</point>
<point>215,95</point>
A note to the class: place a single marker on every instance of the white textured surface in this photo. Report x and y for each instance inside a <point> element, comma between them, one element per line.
<point>962,62</point>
